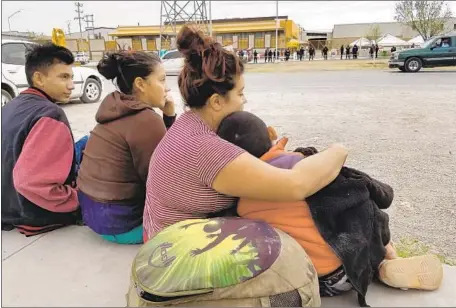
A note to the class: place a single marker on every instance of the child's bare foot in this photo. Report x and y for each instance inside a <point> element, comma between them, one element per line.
<point>421,272</point>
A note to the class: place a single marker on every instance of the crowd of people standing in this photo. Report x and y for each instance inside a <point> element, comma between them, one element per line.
<point>273,55</point>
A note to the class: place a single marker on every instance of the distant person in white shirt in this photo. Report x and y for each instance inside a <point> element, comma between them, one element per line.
<point>445,43</point>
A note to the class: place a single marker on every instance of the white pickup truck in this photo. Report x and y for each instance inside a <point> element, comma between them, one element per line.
<point>88,83</point>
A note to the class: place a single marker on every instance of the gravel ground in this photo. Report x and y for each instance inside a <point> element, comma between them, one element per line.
<point>399,128</point>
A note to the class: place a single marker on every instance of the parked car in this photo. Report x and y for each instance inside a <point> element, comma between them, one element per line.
<point>173,62</point>
<point>439,51</point>
<point>82,58</point>
<point>88,82</point>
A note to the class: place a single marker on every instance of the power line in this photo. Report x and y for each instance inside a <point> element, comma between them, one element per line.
<point>174,13</point>
<point>79,17</point>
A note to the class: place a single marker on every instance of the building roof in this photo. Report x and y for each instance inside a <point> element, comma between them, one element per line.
<point>242,19</point>
<point>394,28</point>
<point>98,28</point>
<point>219,26</point>
<point>23,35</point>
<point>94,29</point>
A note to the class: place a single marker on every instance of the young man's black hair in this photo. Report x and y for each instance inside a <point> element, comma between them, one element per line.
<point>42,57</point>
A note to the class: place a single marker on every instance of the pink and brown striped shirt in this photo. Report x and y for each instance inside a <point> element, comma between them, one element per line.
<point>182,170</point>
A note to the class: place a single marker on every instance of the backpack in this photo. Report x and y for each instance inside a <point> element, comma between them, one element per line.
<point>226,261</point>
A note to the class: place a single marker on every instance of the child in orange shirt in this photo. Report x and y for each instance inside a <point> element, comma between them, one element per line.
<point>295,218</point>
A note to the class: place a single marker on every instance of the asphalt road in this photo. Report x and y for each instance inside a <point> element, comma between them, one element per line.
<point>400,128</point>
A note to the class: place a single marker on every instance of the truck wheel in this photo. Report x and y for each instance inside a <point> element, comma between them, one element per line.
<point>6,97</point>
<point>91,92</point>
<point>402,69</point>
<point>413,65</point>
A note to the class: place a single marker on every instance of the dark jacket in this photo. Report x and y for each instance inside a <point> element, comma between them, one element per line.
<point>38,165</point>
<point>348,215</point>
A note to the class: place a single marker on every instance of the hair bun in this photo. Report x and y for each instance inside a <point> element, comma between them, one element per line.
<point>191,40</point>
<point>109,66</point>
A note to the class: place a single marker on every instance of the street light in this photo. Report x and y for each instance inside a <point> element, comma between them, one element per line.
<point>9,17</point>
<point>277,30</point>
<point>210,19</point>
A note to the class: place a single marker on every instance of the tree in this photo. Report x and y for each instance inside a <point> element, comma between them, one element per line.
<point>374,33</point>
<point>35,35</point>
<point>428,18</point>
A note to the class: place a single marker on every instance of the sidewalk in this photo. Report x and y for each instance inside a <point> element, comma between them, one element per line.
<point>74,267</point>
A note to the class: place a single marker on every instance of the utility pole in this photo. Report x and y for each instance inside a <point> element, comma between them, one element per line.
<point>277,28</point>
<point>210,19</point>
<point>69,27</point>
<point>89,20</point>
<point>79,18</point>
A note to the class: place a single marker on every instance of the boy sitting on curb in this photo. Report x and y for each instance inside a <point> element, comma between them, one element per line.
<point>341,227</point>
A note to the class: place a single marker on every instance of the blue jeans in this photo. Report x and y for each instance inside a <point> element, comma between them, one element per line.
<point>79,147</point>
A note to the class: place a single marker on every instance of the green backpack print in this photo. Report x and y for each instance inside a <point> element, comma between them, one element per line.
<point>204,261</point>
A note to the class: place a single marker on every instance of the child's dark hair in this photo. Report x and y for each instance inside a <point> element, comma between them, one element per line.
<point>208,69</point>
<point>42,57</point>
<point>126,66</point>
<point>247,131</point>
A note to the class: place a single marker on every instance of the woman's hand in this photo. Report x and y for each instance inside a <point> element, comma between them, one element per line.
<point>341,149</point>
<point>169,108</point>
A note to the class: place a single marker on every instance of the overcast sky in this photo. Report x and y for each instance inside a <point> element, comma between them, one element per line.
<point>42,16</point>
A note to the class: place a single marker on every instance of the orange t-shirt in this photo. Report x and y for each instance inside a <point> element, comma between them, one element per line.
<point>293,218</point>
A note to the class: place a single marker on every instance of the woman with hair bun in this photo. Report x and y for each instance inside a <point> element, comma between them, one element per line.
<point>193,172</point>
<point>114,169</point>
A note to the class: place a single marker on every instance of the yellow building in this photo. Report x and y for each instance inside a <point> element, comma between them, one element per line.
<point>243,33</point>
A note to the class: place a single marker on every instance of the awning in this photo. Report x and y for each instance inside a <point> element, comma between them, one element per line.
<point>389,40</point>
<point>417,40</point>
<point>361,42</point>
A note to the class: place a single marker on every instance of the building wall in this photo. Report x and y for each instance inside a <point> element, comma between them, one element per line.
<point>72,45</point>
<point>346,32</point>
<point>291,29</point>
<point>242,37</point>
<point>243,40</point>
<point>362,30</point>
<point>242,33</point>
<point>125,43</point>
<point>102,32</point>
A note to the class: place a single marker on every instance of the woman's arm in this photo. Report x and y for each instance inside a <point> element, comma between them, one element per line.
<point>248,177</point>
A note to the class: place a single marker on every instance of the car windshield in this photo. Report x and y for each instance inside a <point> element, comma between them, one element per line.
<point>429,43</point>
<point>173,55</point>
